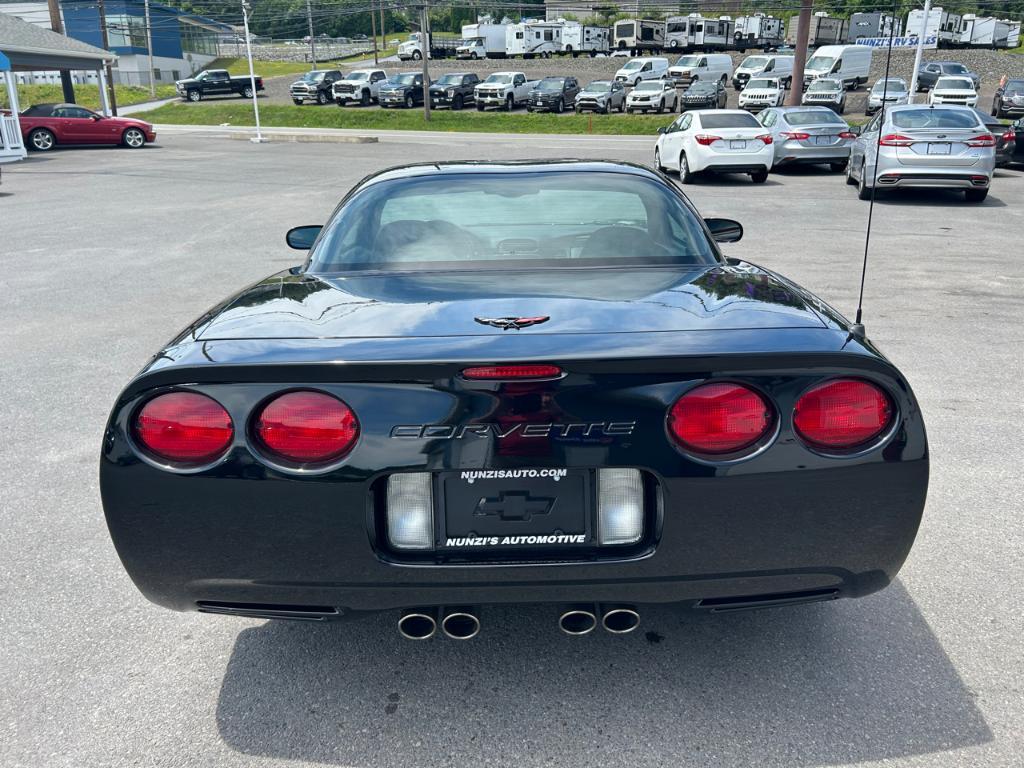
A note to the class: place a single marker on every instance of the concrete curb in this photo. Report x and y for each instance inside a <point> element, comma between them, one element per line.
<point>310,138</point>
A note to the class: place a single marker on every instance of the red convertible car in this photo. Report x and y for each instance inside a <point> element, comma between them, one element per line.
<point>44,126</point>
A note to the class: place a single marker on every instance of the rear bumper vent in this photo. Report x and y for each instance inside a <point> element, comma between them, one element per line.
<point>269,611</point>
<point>748,602</point>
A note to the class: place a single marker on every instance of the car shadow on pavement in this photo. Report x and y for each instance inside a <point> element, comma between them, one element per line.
<point>830,683</point>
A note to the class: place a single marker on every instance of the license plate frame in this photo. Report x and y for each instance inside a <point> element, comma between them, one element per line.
<point>940,148</point>
<point>502,513</point>
<point>822,141</point>
<point>737,144</point>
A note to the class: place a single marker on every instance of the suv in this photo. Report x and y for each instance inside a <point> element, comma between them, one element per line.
<point>762,92</point>
<point>1009,99</point>
<point>453,90</point>
<point>402,90</point>
<point>315,85</point>
<point>359,85</point>
<point>826,92</point>
<point>553,94</point>
<point>933,70</point>
<point>601,96</point>
<point>894,91</point>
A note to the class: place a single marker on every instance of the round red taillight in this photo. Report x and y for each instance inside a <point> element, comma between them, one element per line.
<point>306,428</point>
<point>184,428</point>
<point>842,414</point>
<point>719,418</point>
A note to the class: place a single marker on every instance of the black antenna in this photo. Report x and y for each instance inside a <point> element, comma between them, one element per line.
<point>857,329</point>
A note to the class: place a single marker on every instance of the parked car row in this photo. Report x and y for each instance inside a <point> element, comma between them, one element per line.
<point>902,146</point>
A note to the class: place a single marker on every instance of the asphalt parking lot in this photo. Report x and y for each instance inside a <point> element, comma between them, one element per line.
<point>107,253</point>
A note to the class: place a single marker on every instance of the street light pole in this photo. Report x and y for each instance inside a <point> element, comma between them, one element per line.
<point>258,138</point>
<point>920,48</point>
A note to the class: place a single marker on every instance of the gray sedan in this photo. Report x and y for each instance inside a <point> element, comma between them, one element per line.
<point>914,145</point>
<point>808,135</point>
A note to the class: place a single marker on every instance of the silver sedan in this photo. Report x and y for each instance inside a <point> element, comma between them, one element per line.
<point>808,135</point>
<point>914,145</point>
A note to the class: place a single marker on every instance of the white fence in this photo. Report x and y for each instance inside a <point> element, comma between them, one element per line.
<point>11,145</point>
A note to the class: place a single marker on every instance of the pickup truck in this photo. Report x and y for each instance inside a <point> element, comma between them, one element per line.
<point>454,90</point>
<point>216,82</point>
<point>360,85</point>
<point>503,89</point>
<point>316,85</point>
<point>402,90</point>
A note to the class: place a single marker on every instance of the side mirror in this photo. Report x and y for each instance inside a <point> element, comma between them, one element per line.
<point>663,129</point>
<point>302,238</point>
<point>857,130</point>
<point>725,230</point>
<point>97,118</point>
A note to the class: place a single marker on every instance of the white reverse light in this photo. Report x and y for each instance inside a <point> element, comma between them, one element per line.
<point>410,511</point>
<point>620,506</point>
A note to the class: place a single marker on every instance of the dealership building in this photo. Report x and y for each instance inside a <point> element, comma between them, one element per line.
<point>183,43</point>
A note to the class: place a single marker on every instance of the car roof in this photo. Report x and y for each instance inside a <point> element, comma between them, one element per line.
<point>417,170</point>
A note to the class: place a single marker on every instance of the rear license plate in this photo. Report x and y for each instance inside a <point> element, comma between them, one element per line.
<point>737,145</point>
<point>939,149</point>
<point>515,509</point>
<point>822,139</point>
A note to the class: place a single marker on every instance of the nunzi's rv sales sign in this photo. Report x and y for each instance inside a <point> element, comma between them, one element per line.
<point>930,41</point>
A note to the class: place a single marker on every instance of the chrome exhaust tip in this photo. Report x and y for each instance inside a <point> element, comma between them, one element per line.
<point>460,624</point>
<point>417,624</point>
<point>578,620</point>
<point>620,620</point>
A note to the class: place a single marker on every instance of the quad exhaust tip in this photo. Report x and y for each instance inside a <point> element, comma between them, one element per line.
<point>461,624</point>
<point>620,620</point>
<point>417,625</point>
<point>579,620</point>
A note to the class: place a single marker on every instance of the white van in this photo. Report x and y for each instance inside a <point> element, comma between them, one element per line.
<point>766,64</point>
<point>849,63</point>
<point>642,68</point>
<point>709,67</point>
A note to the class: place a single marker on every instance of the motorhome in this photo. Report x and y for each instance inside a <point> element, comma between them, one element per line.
<point>985,32</point>
<point>944,26</point>
<point>638,35</point>
<point>533,38</point>
<point>757,31</point>
<point>876,24</point>
<point>579,38</point>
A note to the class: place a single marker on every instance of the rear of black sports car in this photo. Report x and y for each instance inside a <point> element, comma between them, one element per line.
<point>320,447</point>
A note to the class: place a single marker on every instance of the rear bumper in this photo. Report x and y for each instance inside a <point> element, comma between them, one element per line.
<point>785,521</point>
<point>901,178</point>
<point>789,155</point>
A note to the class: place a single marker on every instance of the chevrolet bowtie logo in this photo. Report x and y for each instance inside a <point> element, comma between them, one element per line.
<point>514,505</point>
<point>511,323</point>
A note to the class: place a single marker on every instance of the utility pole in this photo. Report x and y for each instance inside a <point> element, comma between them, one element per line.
<point>384,43</point>
<point>258,138</point>
<point>106,47</point>
<point>66,84</point>
<point>803,31</point>
<point>149,47</point>
<point>312,40</point>
<point>917,53</point>
<point>425,49</point>
<point>373,31</point>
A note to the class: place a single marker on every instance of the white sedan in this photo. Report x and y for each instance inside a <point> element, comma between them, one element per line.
<point>954,90</point>
<point>715,140</point>
<point>656,95</point>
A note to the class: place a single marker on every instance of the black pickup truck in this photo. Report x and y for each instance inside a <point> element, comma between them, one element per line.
<point>216,82</point>
<point>454,90</point>
<point>316,85</point>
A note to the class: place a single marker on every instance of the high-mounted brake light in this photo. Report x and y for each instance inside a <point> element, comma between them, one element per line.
<point>498,372</point>
<point>706,139</point>
<point>982,140</point>
<point>842,414</point>
<point>306,428</point>
<point>797,135</point>
<point>719,418</point>
<point>183,428</point>
<point>896,140</point>
<point>766,138</point>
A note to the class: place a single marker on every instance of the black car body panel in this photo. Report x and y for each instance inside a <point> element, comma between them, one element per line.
<point>245,535</point>
<point>317,85</point>
<point>402,94</point>
<point>454,94</point>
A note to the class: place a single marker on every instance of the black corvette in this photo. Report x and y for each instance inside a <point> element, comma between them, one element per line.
<point>531,382</point>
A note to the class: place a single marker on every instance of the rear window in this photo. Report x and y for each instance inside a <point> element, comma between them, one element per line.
<point>478,221</point>
<point>813,117</point>
<point>935,118</point>
<point>732,120</point>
